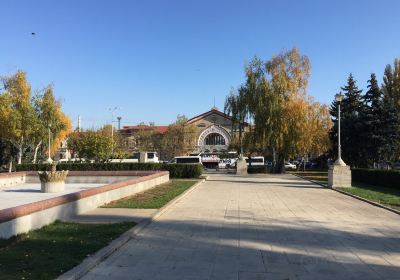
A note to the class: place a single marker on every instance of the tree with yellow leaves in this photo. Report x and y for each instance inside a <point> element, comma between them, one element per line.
<point>286,120</point>
<point>180,138</point>
<point>51,116</point>
<point>24,120</point>
<point>16,113</point>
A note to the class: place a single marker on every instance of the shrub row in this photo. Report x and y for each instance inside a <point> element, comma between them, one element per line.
<point>377,177</point>
<point>257,169</point>
<point>175,170</point>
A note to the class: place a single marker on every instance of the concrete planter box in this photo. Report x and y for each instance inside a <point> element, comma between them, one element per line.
<point>52,187</point>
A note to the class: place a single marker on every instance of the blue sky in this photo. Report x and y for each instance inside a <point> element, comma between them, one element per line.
<point>157,59</point>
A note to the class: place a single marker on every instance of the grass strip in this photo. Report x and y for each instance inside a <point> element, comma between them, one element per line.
<point>54,249</point>
<point>154,198</point>
<point>389,197</point>
<point>316,176</point>
<point>386,196</point>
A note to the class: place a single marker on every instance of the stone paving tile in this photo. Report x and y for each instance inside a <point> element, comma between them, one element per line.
<point>262,227</point>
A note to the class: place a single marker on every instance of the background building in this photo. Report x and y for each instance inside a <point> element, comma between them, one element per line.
<point>213,135</point>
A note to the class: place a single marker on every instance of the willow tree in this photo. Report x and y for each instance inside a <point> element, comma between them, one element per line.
<point>236,106</point>
<point>276,101</point>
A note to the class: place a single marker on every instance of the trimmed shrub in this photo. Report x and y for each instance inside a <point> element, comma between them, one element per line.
<point>377,177</point>
<point>254,169</point>
<point>175,170</point>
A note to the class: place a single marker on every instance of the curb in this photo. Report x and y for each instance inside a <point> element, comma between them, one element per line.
<point>91,261</point>
<point>354,196</point>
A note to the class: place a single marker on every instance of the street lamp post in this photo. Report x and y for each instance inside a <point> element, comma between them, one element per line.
<point>339,161</point>
<point>339,174</point>
<point>49,160</point>
<point>112,110</point>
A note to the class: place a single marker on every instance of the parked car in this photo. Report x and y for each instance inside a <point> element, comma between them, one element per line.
<point>268,163</point>
<point>254,161</point>
<point>290,166</point>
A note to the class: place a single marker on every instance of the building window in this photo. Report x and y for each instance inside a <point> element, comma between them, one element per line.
<point>214,139</point>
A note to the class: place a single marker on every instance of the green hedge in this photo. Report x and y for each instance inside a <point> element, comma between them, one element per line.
<point>257,169</point>
<point>175,170</point>
<point>377,177</point>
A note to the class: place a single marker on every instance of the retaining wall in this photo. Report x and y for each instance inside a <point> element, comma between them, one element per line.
<point>23,218</point>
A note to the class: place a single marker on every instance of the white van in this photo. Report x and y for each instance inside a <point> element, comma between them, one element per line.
<point>139,157</point>
<point>187,159</point>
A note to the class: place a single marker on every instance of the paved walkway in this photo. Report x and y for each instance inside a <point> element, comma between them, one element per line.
<point>262,227</point>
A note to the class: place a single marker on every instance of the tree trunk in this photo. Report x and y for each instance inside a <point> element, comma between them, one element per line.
<point>20,150</point>
<point>36,150</point>
<point>10,167</point>
<point>279,166</point>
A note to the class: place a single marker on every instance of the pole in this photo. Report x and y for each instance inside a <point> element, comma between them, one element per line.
<point>241,141</point>
<point>339,160</point>
<point>112,110</point>
<point>339,145</point>
<point>49,160</point>
<point>112,133</point>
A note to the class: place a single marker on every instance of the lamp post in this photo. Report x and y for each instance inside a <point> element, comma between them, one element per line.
<point>339,174</point>
<point>339,161</point>
<point>112,110</point>
<point>49,160</point>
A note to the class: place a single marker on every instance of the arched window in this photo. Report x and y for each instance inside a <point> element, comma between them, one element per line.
<point>214,139</point>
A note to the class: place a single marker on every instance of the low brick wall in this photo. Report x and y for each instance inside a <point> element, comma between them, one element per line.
<point>23,218</point>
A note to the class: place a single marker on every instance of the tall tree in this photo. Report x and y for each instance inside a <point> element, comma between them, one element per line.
<point>389,149</point>
<point>237,107</point>
<point>20,127</point>
<point>351,109</point>
<point>391,83</point>
<point>91,144</point>
<point>180,138</point>
<point>51,116</point>
<point>285,118</point>
<point>371,124</point>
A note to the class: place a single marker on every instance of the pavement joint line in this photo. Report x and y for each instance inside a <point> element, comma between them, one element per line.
<point>92,261</point>
<point>354,196</point>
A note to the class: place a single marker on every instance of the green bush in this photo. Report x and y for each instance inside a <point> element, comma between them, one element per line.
<point>175,170</point>
<point>377,177</point>
<point>256,169</point>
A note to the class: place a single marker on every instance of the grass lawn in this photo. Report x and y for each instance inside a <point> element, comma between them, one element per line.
<point>386,196</point>
<point>389,197</point>
<point>54,249</point>
<point>317,176</point>
<point>155,197</point>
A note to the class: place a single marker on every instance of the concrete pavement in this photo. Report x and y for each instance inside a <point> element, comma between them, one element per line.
<point>262,227</point>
